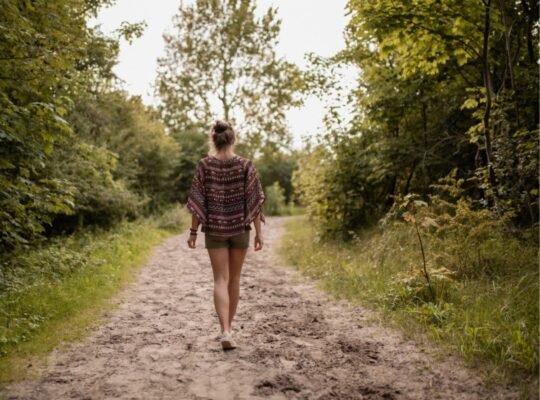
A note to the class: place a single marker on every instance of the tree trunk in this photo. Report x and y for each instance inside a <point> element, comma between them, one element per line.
<point>224,94</point>
<point>531,13</point>
<point>409,178</point>
<point>508,56</point>
<point>392,192</point>
<point>489,90</point>
<point>531,19</point>
<point>424,125</point>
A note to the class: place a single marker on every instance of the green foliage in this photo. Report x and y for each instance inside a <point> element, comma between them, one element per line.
<point>49,56</point>
<point>41,43</point>
<point>444,85</point>
<point>148,158</point>
<point>276,203</point>
<point>275,165</point>
<point>221,52</point>
<point>131,31</point>
<point>98,197</point>
<point>469,233</point>
<point>275,199</point>
<point>193,147</point>
<point>73,149</point>
<point>172,218</point>
<point>341,190</point>
<point>489,316</point>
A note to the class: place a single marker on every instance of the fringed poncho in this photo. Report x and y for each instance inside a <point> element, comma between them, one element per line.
<point>226,195</point>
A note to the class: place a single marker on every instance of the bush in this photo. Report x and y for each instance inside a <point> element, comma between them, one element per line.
<point>172,218</point>
<point>275,199</point>
<point>275,202</point>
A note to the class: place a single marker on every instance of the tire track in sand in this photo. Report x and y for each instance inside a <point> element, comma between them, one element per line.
<point>295,342</point>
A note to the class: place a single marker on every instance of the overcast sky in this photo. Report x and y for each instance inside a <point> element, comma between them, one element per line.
<point>307,26</point>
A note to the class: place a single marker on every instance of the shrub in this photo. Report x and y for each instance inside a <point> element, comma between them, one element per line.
<point>172,218</point>
<point>275,199</point>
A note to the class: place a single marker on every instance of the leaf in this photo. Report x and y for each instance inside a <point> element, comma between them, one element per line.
<point>469,104</point>
<point>409,217</point>
<point>427,222</point>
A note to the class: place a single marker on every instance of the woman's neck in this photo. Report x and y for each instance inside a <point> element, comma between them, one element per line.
<point>224,154</point>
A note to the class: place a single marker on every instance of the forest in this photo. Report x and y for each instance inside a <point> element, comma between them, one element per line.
<point>423,204</point>
<point>433,185</point>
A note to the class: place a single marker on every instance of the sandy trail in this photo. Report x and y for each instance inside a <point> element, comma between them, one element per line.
<point>295,342</point>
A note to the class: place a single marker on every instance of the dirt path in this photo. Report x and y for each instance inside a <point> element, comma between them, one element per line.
<point>295,342</point>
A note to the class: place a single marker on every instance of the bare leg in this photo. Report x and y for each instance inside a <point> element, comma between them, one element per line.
<point>220,267</point>
<point>236,260</point>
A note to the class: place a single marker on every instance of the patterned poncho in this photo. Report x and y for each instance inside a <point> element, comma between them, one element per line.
<point>226,195</point>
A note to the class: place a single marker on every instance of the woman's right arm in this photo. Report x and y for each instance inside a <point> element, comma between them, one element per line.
<point>196,202</point>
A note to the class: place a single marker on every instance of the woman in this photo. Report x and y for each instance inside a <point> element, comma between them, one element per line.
<point>226,196</point>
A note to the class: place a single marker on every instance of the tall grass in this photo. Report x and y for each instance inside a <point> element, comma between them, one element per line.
<point>53,293</point>
<point>489,317</point>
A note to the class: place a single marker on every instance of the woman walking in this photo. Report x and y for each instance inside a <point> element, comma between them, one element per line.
<point>226,196</point>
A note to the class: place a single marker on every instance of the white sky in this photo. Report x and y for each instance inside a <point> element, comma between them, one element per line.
<point>307,26</point>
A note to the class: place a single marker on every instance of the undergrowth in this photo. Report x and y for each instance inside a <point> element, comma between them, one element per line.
<point>275,203</point>
<point>54,292</point>
<point>484,299</point>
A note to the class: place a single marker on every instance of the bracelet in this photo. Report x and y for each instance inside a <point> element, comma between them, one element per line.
<point>193,230</point>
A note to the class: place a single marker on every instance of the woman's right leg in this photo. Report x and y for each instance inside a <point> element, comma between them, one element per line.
<point>236,260</point>
<point>219,259</point>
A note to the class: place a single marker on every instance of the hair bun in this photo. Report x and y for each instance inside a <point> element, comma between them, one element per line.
<point>221,126</point>
<point>222,134</point>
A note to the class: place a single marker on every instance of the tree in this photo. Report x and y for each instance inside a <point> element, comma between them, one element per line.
<point>147,158</point>
<point>58,159</point>
<point>444,86</point>
<point>41,43</point>
<point>193,147</point>
<point>221,62</point>
<point>277,166</point>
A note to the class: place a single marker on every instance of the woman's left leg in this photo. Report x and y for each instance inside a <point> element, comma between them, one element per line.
<point>219,258</point>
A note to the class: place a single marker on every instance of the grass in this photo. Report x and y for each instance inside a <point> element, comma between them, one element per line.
<point>53,294</point>
<point>490,319</point>
<point>288,210</point>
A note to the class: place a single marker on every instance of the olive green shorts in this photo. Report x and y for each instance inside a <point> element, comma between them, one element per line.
<point>240,241</point>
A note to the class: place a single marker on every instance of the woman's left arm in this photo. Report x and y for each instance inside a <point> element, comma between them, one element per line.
<point>195,221</point>
<point>258,241</point>
<point>193,231</point>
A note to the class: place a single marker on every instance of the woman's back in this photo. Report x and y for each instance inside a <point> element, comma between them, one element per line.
<point>226,195</point>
